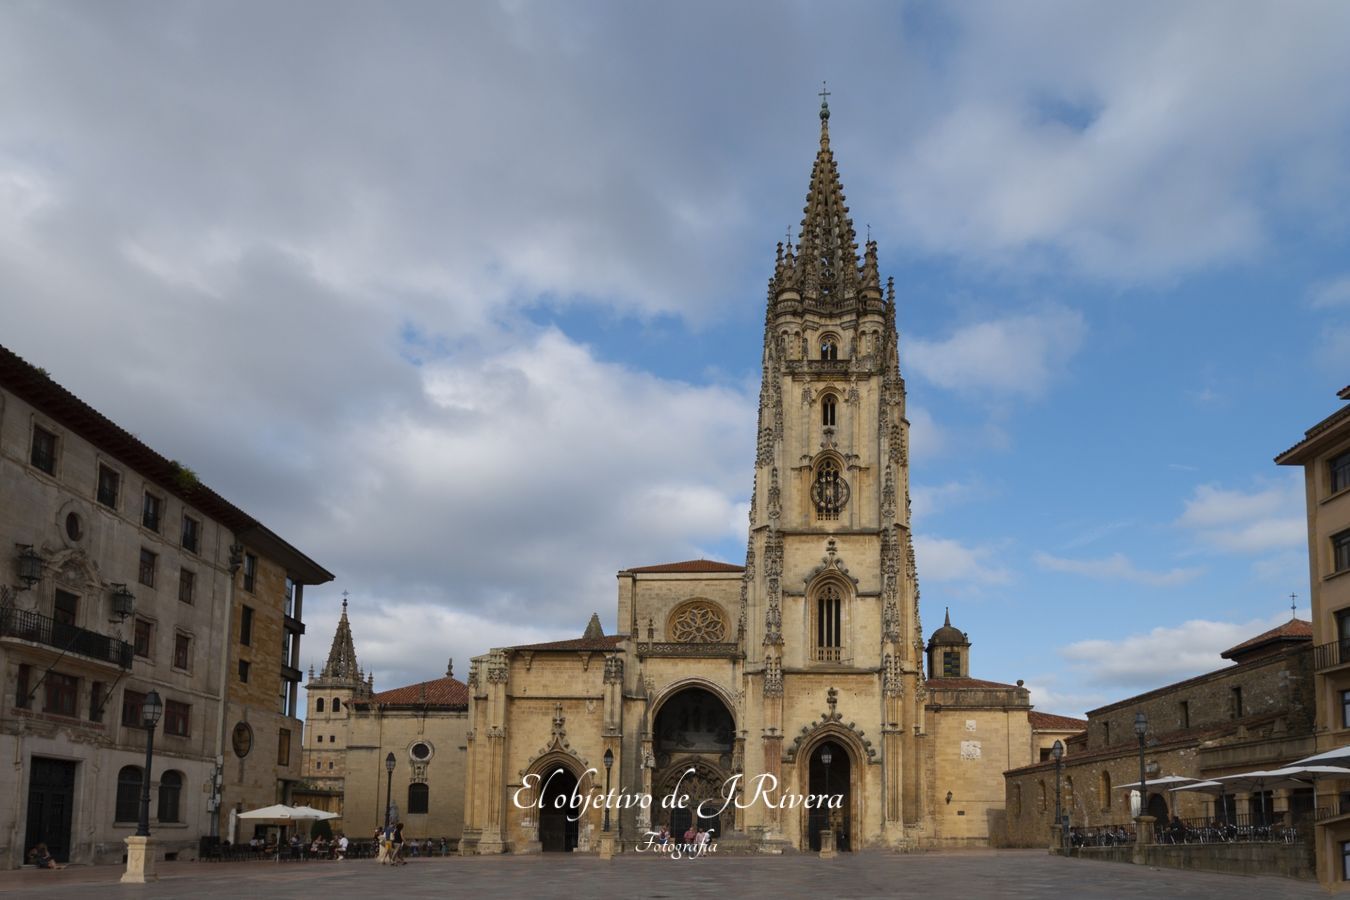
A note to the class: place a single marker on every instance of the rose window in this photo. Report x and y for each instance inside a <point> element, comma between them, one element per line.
<point>699,623</point>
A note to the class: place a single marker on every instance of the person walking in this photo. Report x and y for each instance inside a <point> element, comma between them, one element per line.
<point>396,850</point>
<point>382,844</point>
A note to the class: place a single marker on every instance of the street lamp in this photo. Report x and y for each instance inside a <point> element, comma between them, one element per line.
<point>30,565</point>
<point>1141,728</point>
<point>151,710</point>
<point>123,601</point>
<point>826,757</point>
<point>389,763</point>
<point>609,762</point>
<point>1057,751</point>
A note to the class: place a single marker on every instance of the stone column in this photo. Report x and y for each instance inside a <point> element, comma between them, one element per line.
<point>140,861</point>
<point>1143,836</point>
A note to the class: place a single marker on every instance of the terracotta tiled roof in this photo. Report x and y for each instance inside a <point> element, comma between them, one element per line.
<point>1293,630</point>
<point>449,692</point>
<point>1052,722</point>
<point>690,565</point>
<point>973,684</point>
<point>607,642</point>
<point>1298,454</point>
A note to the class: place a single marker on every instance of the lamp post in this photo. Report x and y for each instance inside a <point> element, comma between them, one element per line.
<point>151,710</point>
<point>609,762</point>
<point>140,853</point>
<point>1141,729</point>
<point>827,833</point>
<point>389,763</point>
<point>1057,751</point>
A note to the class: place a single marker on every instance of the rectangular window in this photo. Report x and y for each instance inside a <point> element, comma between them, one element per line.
<point>243,671</point>
<point>43,452</point>
<point>1340,472</point>
<point>62,694</point>
<point>66,607</point>
<point>1345,860</point>
<point>246,625</point>
<point>1237,702</point>
<point>1106,734</point>
<point>97,691</point>
<point>250,572</point>
<point>144,639</point>
<point>177,718</point>
<point>192,531</point>
<point>951,664</point>
<point>151,508</point>
<point>132,704</point>
<point>109,483</point>
<point>1340,551</point>
<point>147,571</point>
<point>1185,713</point>
<point>1345,709</point>
<point>187,584</point>
<point>290,597</point>
<point>182,651</point>
<point>284,747</point>
<point>21,699</point>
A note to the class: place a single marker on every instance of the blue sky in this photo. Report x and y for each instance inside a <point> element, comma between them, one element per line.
<point>466,300</point>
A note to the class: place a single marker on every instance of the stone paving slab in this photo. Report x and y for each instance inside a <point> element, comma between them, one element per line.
<point>1010,874</point>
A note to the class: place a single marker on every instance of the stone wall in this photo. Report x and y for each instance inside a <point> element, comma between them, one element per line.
<point>1290,860</point>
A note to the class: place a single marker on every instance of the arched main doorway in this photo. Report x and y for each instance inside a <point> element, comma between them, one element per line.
<point>557,825</point>
<point>830,773</point>
<point>1157,807</point>
<point>693,738</point>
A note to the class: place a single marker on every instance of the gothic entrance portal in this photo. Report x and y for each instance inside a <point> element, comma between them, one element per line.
<point>557,826</point>
<point>694,738</point>
<point>830,773</point>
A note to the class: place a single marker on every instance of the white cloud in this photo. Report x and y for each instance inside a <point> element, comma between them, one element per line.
<point>1014,355</point>
<point>927,439</point>
<point>1139,143</point>
<point>1048,696</point>
<point>929,500</point>
<point>1162,655</point>
<point>1117,567</point>
<point>1332,293</point>
<point>948,560</point>
<point>1266,519</point>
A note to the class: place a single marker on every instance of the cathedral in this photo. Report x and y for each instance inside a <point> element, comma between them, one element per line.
<point>801,673</point>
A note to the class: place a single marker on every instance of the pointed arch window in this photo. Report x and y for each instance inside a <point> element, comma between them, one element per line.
<point>829,492</point>
<point>337,705</point>
<point>828,405</point>
<point>829,347</point>
<point>829,624</point>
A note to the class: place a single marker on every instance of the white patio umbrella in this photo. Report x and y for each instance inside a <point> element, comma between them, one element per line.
<point>1217,788</point>
<point>282,814</point>
<point>1161,781</point>
<point>1338,757</point>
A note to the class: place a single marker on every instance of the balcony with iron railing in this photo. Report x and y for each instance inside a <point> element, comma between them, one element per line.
<point>1331,655</point>
<point>28,625</point>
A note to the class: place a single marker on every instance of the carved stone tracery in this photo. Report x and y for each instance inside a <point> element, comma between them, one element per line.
<point>698,622</point>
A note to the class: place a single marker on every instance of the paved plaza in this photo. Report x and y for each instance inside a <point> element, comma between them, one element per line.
<point>980,874</point>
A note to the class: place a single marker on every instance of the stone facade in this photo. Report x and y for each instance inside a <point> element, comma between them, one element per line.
<point>1256,714</point>
<point>802,669</point>
<point>353,731</point>
<point>131,590</point>
<point>1324,454</point>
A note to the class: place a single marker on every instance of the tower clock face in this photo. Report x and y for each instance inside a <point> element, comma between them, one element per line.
<point>242,739</point>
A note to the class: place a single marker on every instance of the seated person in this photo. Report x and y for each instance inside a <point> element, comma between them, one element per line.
<point>340,848</point>
<point>42,858</point>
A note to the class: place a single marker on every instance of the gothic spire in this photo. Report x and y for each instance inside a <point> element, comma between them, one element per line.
<point>828,244</point>
<point>341,663</point>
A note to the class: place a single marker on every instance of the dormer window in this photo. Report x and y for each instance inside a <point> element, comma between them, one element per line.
<point>827,411</point>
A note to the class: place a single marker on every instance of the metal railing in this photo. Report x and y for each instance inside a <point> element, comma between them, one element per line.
<point>33,626</point>
<point>1326,656</point>
<point>1233,829</point>
<point>1101,835</point>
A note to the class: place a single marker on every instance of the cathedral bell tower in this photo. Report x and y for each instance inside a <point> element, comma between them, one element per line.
<point>829,614</point>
